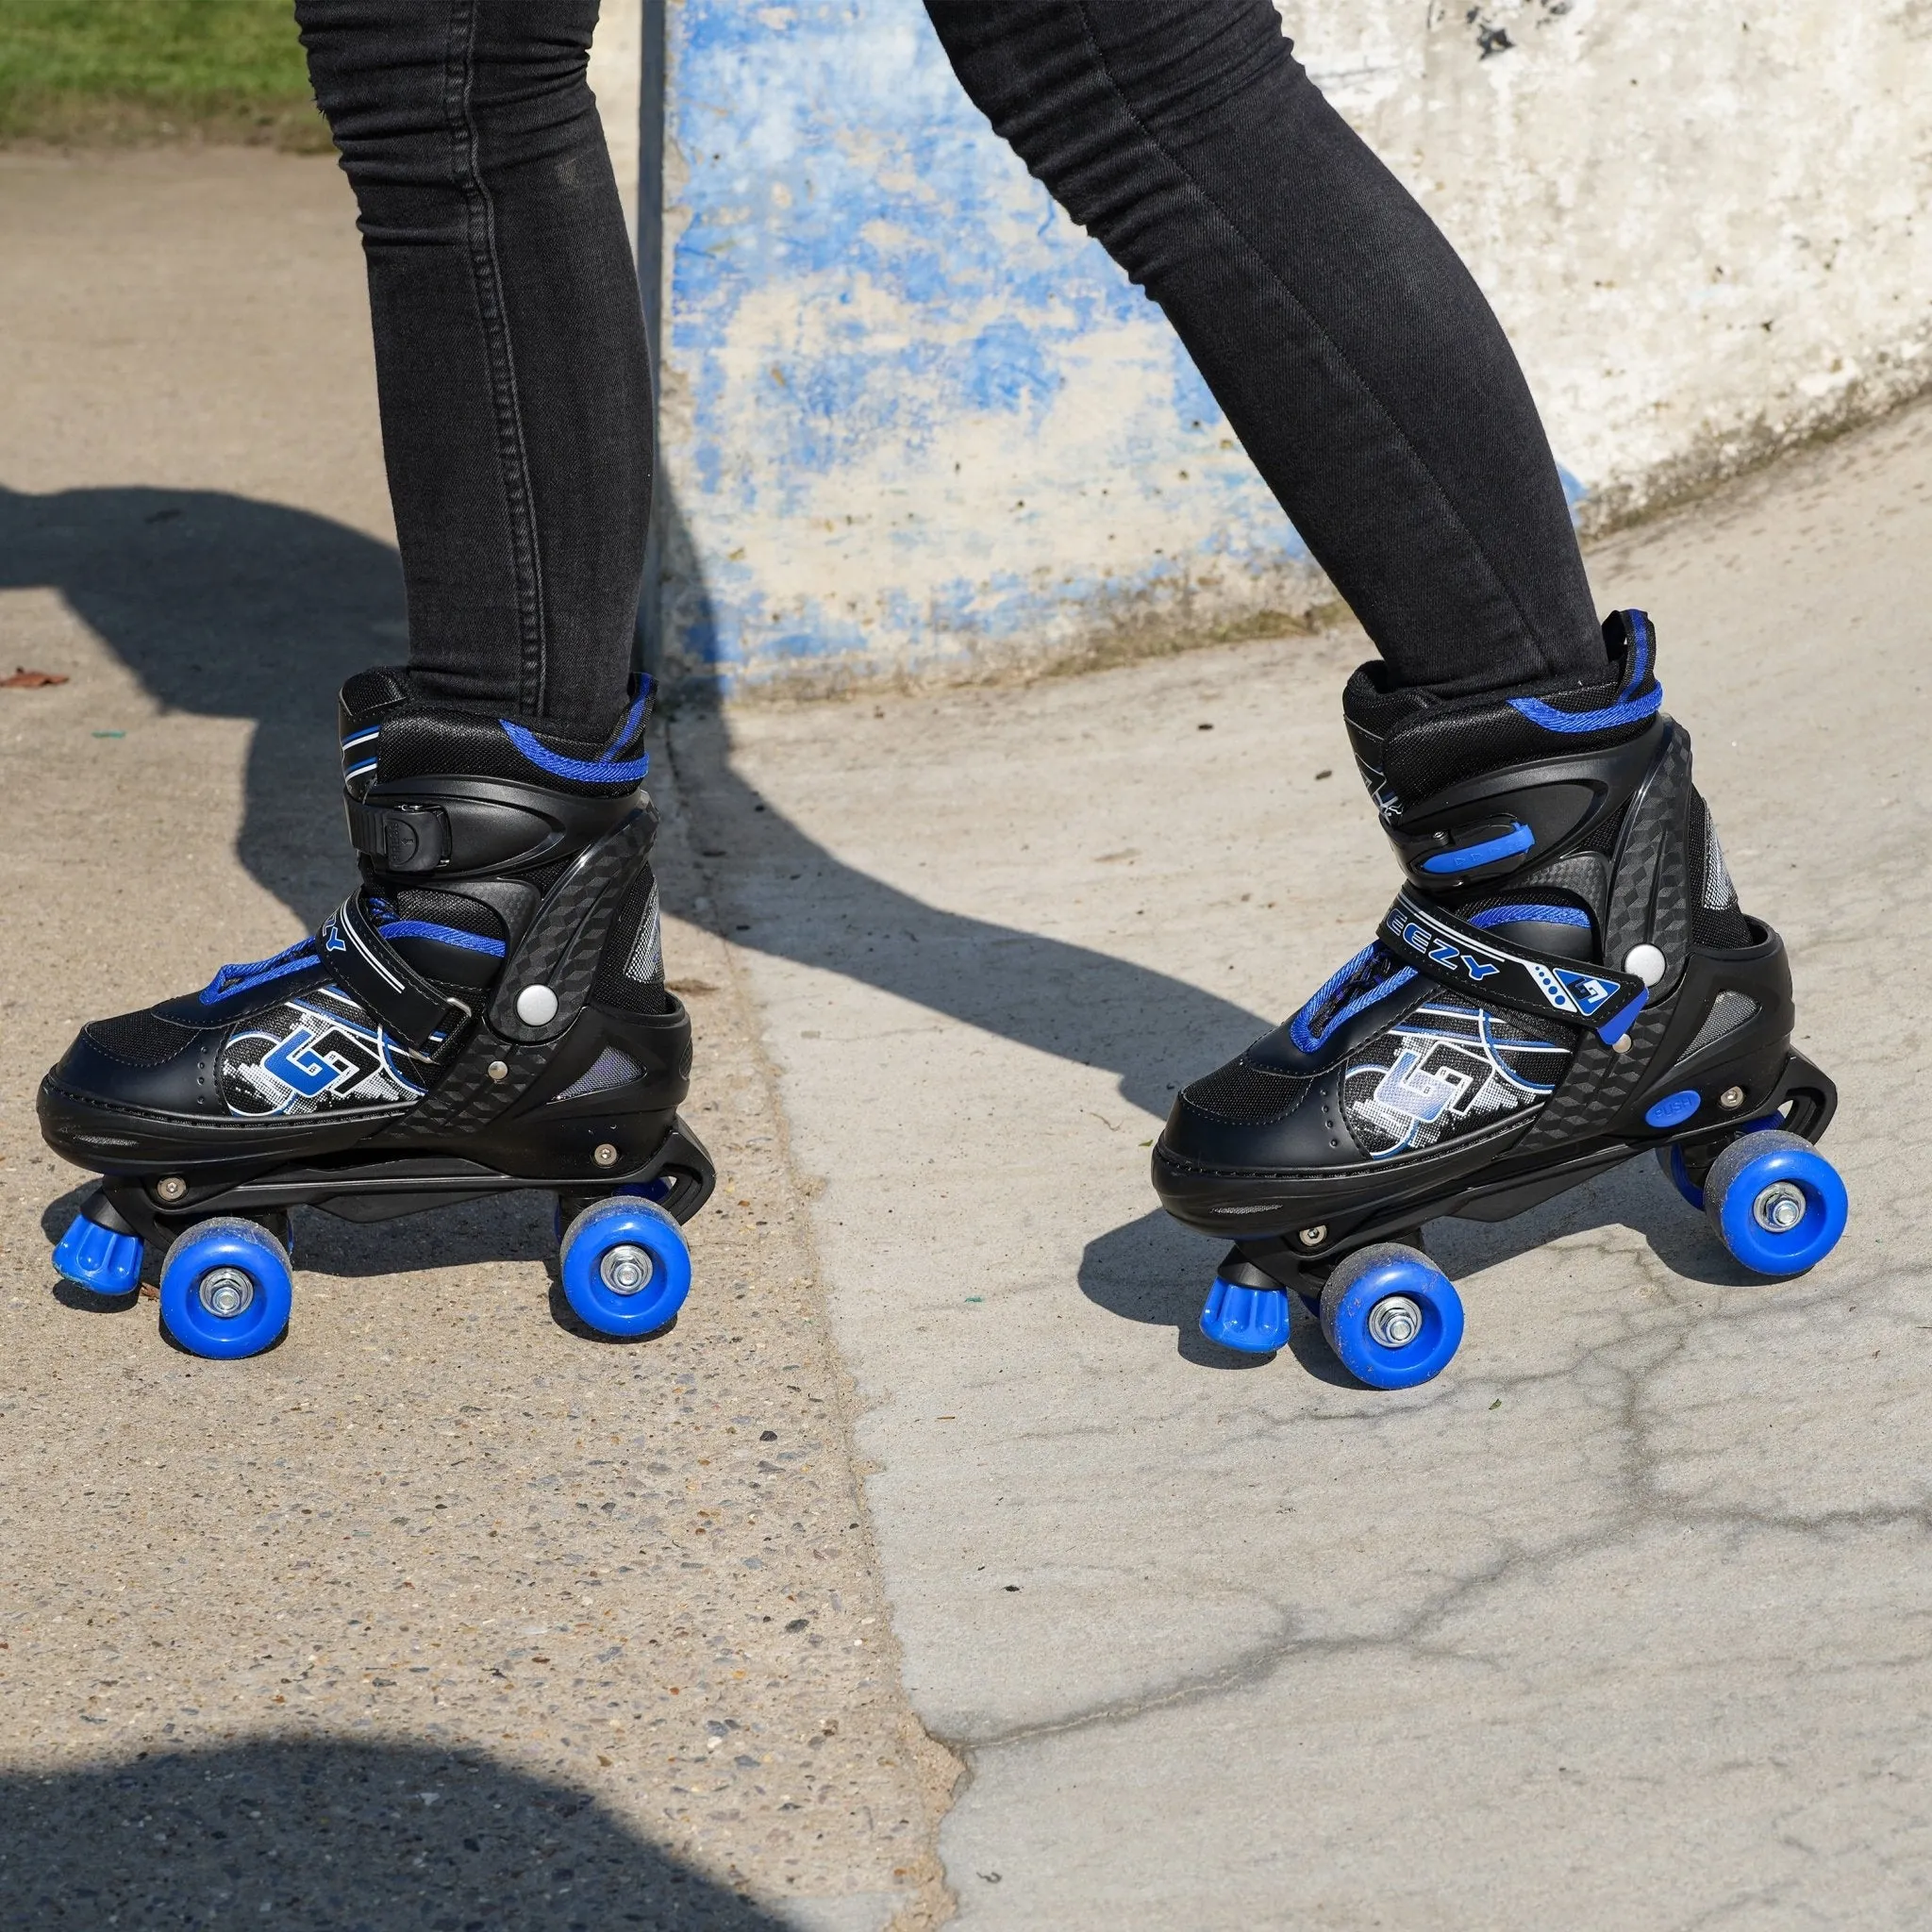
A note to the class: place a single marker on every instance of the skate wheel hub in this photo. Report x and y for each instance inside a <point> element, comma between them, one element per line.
<point>1775,1202</point>
<point>1779,1209</point>
<point>625,1267</point>
<point>536,1006</point>
<point>626,1270</point>
<point>1395,1321</point>
<point>225,1293</point>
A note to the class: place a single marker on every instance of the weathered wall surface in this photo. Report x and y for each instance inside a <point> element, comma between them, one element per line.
<point>1707,227</point>
<point>914,422</point>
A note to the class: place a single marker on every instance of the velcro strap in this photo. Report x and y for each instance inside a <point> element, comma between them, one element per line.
<point>400,838</point>
<point>422,1016</point>
<point>1477,963</point>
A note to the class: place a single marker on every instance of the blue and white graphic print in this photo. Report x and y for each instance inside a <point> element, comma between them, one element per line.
<point>1573,993</point>
<point>1447,1067</point>
<point>318,1053</point>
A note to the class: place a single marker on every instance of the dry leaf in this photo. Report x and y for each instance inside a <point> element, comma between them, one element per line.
<point>24,679</point>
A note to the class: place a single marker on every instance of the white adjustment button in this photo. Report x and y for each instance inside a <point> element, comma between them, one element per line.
<point>536,1005</point>
<point>1640,962</point>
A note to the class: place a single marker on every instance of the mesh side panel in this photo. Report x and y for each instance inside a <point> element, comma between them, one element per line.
<point>1715,891</point>
<point>1716,919</point>
<point>1729,1011</point>
<point>1726,928</point>
<point>630,970</point>
<point>138,1040</point>
<point>1244,1095</point>
<point>612,1068</point>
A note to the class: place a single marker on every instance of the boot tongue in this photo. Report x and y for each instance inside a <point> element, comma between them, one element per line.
<point>451,940</point>
<point>1539,920</point>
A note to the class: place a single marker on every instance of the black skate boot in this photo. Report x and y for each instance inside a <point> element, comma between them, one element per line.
<point>486,1011</point>
<point>1565,980</point>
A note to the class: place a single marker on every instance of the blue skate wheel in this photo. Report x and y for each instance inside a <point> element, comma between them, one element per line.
<point>1253,1319</point>
<point>1671,1160</point>
<point>1392,1316</point>
<point>1777,1203</point>
<point>226,1290</point>
<point>96,1257</point>
<point>625,1268</point>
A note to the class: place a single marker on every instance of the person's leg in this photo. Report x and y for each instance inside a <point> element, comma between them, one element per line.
<point>1354,355</point>
<point>510,343</point>
<point>486,1010</point>
<point>1567,975</point>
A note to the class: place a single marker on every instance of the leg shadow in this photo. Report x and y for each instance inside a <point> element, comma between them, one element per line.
<point>1151,1031</point>
<point>231,608</point>
<point>321,1832</point>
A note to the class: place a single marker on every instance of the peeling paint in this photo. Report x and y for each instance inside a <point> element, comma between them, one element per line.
<point>916,423</point>
<point>914,420</point>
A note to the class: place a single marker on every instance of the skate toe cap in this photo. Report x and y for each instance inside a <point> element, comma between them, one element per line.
<point>1248,1117</point>
<point>140,1060</point>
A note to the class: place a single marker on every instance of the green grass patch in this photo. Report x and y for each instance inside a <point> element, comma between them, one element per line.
<point>155,70</point>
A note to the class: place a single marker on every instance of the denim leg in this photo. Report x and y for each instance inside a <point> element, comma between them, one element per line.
<point>510,362</point>
<point>1353,352</point>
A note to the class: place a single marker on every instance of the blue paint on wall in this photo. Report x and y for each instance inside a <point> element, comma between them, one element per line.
<point>910,411</point>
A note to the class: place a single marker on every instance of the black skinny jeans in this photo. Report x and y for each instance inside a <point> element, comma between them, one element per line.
<point>1351,352</point>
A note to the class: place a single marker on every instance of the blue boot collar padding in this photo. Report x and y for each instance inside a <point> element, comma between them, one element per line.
<point>608,767</point>
<point>605,769</point>
<point>1633,704</point>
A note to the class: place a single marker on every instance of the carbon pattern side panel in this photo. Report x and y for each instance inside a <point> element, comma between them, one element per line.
<point>1597,1085</point>
<point>560,949</point>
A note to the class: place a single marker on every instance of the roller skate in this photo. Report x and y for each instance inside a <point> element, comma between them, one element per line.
<point>1565,980</point>
<point>486,1012</point>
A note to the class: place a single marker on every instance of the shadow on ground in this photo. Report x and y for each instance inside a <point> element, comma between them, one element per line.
<point>326,1832</point>
<point>236,608</point>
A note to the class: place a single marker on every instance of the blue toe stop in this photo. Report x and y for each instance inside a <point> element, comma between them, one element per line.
<point>1253,1319</point>
<point>99,1258</point>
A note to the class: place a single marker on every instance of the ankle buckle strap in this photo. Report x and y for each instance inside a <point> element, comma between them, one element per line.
<point>459,825</point>
<point>424,1018</point>
<point>1457,954</point>
<point>400,838</point>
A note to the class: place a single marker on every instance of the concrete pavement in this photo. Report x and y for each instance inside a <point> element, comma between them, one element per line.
<point>442,1612</point>
<point>1623,1621</point>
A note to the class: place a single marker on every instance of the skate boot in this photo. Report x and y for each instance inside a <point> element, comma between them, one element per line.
<point>484,1012</point>
<point>1565,979</point>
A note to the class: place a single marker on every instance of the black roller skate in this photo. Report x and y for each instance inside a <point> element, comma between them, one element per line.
<point>1565,980</point>
<point>486,1012</point>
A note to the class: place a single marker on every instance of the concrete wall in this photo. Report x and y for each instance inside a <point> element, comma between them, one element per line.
<point>1707,227</point>
<point>915,424</point>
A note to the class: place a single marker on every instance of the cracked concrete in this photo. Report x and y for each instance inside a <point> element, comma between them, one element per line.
<point>1627,1620</point>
